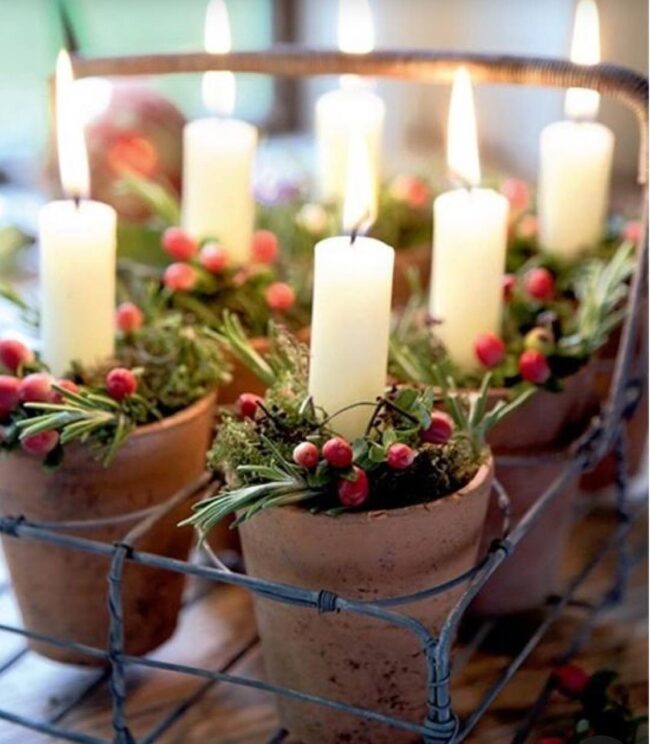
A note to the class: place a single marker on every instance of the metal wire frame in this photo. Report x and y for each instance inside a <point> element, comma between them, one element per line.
<point>441,725</point>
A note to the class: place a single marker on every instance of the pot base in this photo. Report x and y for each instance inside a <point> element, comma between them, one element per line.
<point>346,656</point>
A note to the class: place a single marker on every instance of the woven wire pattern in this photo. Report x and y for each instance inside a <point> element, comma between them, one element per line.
<point>441,725</point>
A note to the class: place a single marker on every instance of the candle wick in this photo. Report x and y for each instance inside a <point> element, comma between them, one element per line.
<point>353,235</point>
<point>459,181</point>
<point>77,200</point>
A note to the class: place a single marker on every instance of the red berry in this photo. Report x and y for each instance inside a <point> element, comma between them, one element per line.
<point>36,388</point>
<point>13,354</point>
<point>306,455</point>
<point>280,296</point>
<point>527,227</point>
<point>412,190</point>
<point>439,430</point>
<point>68,385</point>
<point>633,231</point>
<point>354,492</point>
<point>121,383</point>
<point>178,244</point>
<point>247,405</point>
<point>265,247</point>
<point>489,349</point>
<point>128,317</point>
<point>180,277</point>
<point>517,193</point>
<point>41,444</point>
<point>508,283</point>
<point>213,257</point>
<point>338,452</point>
<point>9,394</point>
<point>571,679</point>
<point>533,366</point>
<point>551,740</point>
<point>540,284</point>
<point>400,456</point>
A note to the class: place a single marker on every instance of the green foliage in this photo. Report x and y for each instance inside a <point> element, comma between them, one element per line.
<point>90,417</point>
<point>175,365</point>
<point>256,454</point>
<point>601,288</point>
<point>589,303</point>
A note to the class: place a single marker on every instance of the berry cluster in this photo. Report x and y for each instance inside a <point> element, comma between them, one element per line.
<point>336,455</point>
<point>537,286</point>
<point>26,382</point>
<point>196,265</point>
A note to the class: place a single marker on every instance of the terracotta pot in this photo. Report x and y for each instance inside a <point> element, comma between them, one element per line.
<point>544,425</point>
<point>221,538</point>
<point>370,555</point>
<point>604,474</point>
<point>418,257</point>
<point>62,591</point>
<point>245,381</point>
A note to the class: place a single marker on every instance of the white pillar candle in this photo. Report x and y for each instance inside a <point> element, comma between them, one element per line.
<point>352,110</point>
<point>350,326</point>
<point>576,158</point>
<point>218,202</point>
<point>77,251</point>
<point>218,157</point>
<point>77,275</point>
<point>469,244</point>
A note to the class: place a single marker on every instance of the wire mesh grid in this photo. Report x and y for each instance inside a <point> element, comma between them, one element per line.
<point>441,725</point>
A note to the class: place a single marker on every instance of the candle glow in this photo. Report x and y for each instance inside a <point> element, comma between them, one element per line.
<point>359,205</point>
<point>581,103</point>
<point>356,32</point>
<point>462,140</point>
<point>218,87</point>
<point>469,242</point>
<point>76,249</point>
<point>72,154</point>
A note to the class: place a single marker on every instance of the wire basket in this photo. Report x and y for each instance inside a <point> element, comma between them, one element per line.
<point>441,725</point>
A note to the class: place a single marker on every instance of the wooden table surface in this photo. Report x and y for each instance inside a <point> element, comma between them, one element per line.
<point>217,631</point>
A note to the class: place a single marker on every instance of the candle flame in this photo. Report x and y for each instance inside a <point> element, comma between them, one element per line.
<point>358,205</point>
<point>582,103</point>
<point>218,87</point>
<point>462,141</point>
<point>356,31</point>
<point>71,145</point>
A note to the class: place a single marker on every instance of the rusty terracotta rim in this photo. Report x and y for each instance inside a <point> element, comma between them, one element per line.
<point>177,419</point>
<point>483,475</point>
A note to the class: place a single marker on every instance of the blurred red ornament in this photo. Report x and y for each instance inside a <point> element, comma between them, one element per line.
<point>129,129</point>
<point>411,190</point>
<point>517,193</point>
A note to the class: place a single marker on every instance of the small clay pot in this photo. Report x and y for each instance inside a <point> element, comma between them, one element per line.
<point>604,474</point>
<point>368,555</point>
<point>417,257</point>
<point>544,426</point>
<point>62,592</point>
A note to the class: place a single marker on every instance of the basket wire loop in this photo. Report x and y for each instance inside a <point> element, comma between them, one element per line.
<point>441,725</point>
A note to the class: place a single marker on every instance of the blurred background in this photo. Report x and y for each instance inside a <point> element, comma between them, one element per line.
<point>510,119</point>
